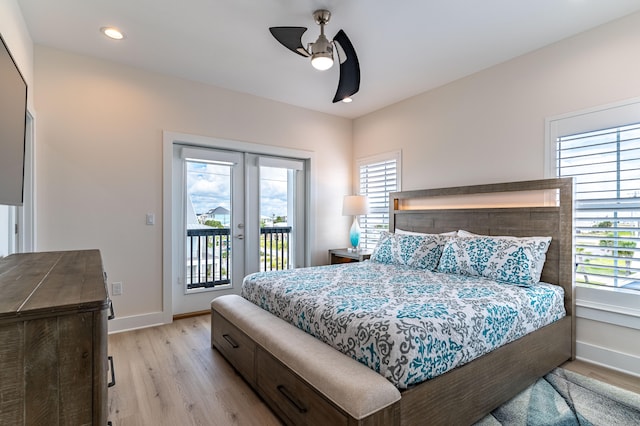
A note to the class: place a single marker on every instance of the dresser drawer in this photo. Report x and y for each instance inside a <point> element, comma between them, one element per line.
<point>235,346</point>
<point>292,398</point>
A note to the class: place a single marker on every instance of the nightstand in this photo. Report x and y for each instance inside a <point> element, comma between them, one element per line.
<point>345,256</point>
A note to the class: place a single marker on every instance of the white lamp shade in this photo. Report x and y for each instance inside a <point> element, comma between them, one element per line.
<point>354,205</point>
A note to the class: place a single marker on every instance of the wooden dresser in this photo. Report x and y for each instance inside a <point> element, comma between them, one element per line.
<point>53,339</point>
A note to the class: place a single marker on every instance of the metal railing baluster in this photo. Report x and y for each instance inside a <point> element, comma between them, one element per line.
<point>209,254</point>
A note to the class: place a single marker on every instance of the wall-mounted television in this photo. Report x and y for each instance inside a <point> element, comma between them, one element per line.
<point>13,119</point>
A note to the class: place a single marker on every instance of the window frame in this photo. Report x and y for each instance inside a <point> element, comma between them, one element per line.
<point>596,302</point>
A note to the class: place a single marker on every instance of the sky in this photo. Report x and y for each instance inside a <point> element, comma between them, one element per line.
<point>208,186</point>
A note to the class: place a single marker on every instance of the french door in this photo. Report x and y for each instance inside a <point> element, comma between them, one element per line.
<point>234,213</point>
<point>276,211</point>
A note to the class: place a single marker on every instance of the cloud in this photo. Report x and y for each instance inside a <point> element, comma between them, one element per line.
<point>209,186</point>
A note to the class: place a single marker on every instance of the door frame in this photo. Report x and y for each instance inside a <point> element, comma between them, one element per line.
<point>168,196</point>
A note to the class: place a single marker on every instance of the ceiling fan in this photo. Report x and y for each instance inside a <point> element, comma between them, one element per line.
<point>321,53</point>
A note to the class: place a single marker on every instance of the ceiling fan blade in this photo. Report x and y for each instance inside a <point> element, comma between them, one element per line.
<point>291,38</point>
<point>349,82</point>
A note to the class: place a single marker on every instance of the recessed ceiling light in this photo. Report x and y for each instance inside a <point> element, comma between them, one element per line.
<point>112,32</point>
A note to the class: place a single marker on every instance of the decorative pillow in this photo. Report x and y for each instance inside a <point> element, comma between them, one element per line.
<point>416,251</point>
<point>507,259</point>
<point>446,234</point>
<point>542,241</point>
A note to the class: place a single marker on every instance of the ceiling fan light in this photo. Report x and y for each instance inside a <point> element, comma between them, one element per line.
<point>321,61</point>
<point>322,53</point>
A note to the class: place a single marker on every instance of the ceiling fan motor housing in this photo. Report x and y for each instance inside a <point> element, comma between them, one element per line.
<point>322,47</point>
<point>322,50</point>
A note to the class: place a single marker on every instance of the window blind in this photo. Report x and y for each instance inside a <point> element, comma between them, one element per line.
<point>606,168</point>
<point>377,180</point>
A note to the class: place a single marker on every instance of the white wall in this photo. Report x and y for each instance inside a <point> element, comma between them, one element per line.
<point>99,160</point>
<point>490,127</point>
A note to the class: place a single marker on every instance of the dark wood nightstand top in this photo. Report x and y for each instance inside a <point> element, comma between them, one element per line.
<point>344,255</point>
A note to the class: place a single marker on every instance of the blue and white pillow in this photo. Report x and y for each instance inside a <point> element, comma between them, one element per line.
<point>542,242</point>
<point>416,251</point>
<point>507,259</point>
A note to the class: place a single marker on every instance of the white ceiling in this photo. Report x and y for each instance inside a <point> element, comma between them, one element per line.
<point>404,47</point>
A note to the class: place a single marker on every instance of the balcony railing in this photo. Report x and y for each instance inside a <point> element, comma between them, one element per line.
<point>209,254</point>
<point>274,248</point>
<point>208,259</point>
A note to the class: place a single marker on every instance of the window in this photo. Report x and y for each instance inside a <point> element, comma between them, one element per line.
<point>378,176</point>
<point>605,162</point>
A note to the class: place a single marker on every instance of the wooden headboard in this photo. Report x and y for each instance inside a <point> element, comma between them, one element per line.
<point>541,208</point>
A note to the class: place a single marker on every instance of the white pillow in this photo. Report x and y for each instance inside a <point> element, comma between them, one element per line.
<point>444,234</point>
<point>463,233</point>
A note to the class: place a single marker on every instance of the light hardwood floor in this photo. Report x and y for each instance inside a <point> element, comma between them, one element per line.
<point>170,375</point>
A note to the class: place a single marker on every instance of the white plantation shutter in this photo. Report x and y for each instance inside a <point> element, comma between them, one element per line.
<point>606,167</point>
<point>379,176</point>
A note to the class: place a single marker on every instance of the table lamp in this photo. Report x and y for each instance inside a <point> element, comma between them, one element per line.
<point>355,205</point>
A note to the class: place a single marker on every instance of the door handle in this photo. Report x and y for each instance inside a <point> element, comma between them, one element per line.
<point>112,314</point>
<point>113,373</point>
<point>293,400</point>
<point>239,236</point>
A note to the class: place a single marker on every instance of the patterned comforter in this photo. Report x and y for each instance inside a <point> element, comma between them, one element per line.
<point>409,325</point>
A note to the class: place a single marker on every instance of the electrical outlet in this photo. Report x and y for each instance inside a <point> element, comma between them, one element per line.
<point>116,289</point>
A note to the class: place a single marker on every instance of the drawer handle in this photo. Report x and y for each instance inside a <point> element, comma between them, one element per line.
<point>112,314</point>
<point>232,342</point>
<point>284,391</point>
<point>113,373</point>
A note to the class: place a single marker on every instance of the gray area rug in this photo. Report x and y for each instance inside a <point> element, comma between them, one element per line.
<point>562,398</point>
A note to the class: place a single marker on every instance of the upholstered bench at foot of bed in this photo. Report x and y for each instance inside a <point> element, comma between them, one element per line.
<point>258,344</point>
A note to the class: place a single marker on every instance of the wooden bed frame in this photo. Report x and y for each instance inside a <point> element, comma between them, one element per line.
<point>257,343</point>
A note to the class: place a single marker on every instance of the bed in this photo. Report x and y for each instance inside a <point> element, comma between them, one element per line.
<point>307,381</point>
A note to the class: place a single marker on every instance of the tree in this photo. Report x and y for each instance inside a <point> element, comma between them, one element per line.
<point>214,223</point>
<point>606,243</point>
<point>627,254</point>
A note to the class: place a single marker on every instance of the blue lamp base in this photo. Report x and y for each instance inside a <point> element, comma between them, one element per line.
<point>354,234</point>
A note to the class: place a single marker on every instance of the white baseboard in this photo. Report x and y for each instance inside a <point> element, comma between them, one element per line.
<point>625,363</point>
<point>119,325</point>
